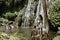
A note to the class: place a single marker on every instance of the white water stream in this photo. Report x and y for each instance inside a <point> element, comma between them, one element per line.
<point>27,13</point>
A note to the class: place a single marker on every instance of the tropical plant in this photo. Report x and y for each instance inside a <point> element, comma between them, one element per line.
<point>54,13</point>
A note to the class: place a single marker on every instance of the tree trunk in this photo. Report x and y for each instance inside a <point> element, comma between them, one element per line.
<point>46,24</point>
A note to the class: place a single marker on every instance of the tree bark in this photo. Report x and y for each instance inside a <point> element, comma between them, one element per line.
<point>46,24</point>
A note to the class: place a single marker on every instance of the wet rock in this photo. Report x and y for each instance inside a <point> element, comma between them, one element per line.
<point>4,35</point>
<point>58,33</point>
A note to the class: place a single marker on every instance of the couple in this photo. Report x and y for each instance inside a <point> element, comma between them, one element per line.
<point>40,24</point>
<point>36,33</point>
<point>42,29</point>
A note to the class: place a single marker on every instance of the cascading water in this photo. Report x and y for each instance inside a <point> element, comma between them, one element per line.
<point>27,13</point>
<point>37,13</point>
<point>48,2</point>
<point>40,11</point>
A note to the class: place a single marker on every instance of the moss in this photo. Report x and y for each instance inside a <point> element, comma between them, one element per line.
<point>3,20</point>
<point>20,34</point>
<point>10,16</point>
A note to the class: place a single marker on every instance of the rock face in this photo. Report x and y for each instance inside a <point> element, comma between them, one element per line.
<point>4,34</point>
<point>7,27</point>
<point>12,38</point>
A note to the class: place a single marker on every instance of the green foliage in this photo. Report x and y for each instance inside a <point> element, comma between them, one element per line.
<point>54,13</point>
<point>3,8</point>
<point>11,5</point>
<point>10,16</point>
<point>3,20</point>
<point>21,34</point>
<point>32,20</point>
<point>20,19</point>
<point>56,38</point>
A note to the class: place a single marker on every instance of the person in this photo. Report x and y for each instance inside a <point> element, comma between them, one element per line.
<point>34,33</point>
<point>40,26</point>
<point>39,35</point>
<point>43,34</point>
<point>40,22</point>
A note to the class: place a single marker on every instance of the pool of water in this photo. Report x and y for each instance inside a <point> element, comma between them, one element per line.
<point>27,32</point>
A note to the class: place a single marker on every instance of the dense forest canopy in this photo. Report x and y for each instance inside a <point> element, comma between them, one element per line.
<point>17,5</point>
<point>8,9</point>
<point>11,5</point>
<point>12,12</point>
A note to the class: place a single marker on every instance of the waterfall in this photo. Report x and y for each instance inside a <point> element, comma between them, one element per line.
<point>40,10</point>
<point>49,2</point>
<point>37,13</point>
<point>27,13</point>
<point>7,27</point>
